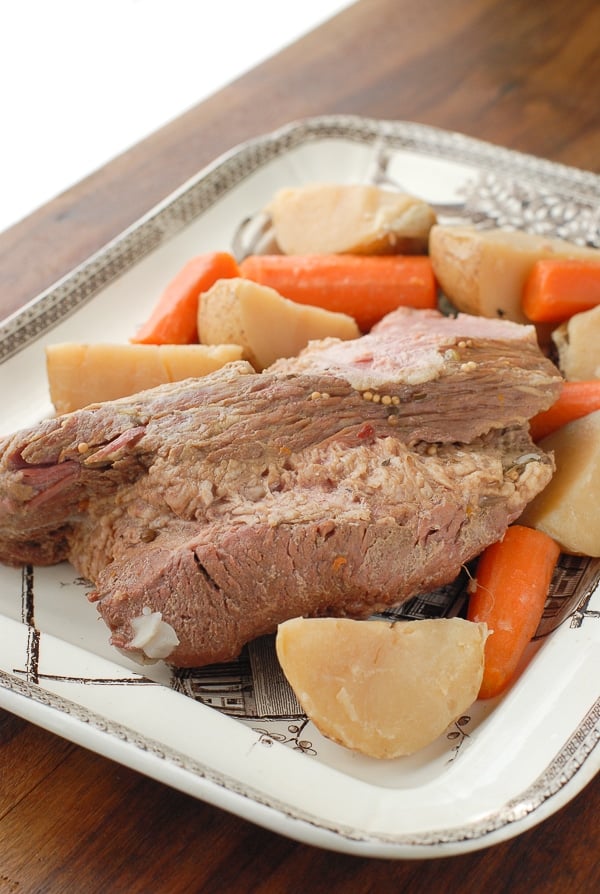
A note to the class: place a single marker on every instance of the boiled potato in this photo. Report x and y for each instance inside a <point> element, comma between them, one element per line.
<point>265,324</point>
<point>484,271</point>
<point>578,343</point>
<point>383,689</point>
<point>326,218</point>
<point>568,509</point>
<point>81,374</point>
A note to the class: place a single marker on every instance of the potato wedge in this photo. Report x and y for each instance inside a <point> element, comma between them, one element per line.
<point>326,218</point>
<point>578,344</point>
<point>382,689</point>
<point>265,324</point>
<point>568,509</point>
<point>81,374</point>
<point>484,271</point>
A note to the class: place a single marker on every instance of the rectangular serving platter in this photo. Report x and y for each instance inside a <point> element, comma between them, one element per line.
<point>234,735</point>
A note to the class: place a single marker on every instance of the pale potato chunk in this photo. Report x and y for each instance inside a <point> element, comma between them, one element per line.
<point>578,344</point>
<point>266,325</point>
<point>484,271</point>
<point>81,374</point>
<point>326,218</point>
<point>568,509</point>
<point>383,689</point>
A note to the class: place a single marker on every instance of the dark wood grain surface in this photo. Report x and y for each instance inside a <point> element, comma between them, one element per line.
<point>518,73</point>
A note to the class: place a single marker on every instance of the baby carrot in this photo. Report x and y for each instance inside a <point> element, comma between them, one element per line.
<point>365,287</point>
<point>557,288</point>
<point>174,319</point>
<point>576,399</point>
<point>512,582</point>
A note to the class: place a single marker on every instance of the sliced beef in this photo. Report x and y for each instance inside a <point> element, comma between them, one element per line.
<point>338,482</point>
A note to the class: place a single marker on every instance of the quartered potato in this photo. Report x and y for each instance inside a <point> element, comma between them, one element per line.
<point>383,689</point>
<point>265,324</point>
<point>326,218</point>
<point>82,374</point>
<point>484,271</point>
<point>568,509</point>
<point>578,343</point>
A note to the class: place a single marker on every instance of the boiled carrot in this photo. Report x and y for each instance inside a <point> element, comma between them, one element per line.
<point>511,586</point>
<point>558,288</point>
<point>174,318</point>
<point>576,399</point>
<point>366,287</point>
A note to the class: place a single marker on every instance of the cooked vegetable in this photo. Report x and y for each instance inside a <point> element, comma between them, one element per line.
<point>484,271</point>
<point>511,587</point>
<point>578,344</point>
<point>576,399</point>
<point>174,318</point>
<point>81,374</point>
<point>568,509</point>
<point>265,324</point>
<point>324,218</point>
<point>557,288</point>
<point>381,688</point>
<point>364,287</point>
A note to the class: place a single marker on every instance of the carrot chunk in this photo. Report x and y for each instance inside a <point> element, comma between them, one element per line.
<point>366,287</point>
<point>576,399</point>
<point>174,319</point>
<point>512,582</point>
<point>556,289</point>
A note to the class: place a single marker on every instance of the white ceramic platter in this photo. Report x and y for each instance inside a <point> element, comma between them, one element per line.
<point>234,736</point>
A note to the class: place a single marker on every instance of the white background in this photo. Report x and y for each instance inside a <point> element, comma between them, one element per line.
<point>83,80</point>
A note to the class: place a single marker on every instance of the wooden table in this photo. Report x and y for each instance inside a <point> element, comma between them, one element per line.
<point>517,73</point>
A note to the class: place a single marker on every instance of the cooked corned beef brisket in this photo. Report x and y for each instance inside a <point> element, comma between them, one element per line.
<point>339,482</point>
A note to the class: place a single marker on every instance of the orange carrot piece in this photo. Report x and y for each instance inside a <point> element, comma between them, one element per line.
<point>512,582</point>
<point>174,319</point>
<point>365,287</point>
<point>576,399</point>
<point>558,288</point>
